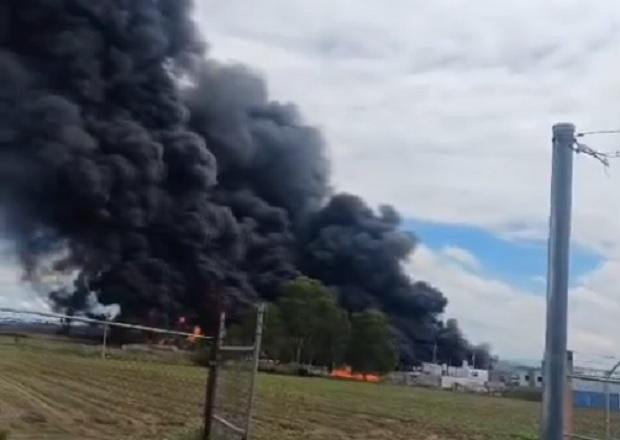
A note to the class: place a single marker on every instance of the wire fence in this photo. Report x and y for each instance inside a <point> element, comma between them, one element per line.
<point>77,378</point>
<point>237,360</point>
<point>593,408</point>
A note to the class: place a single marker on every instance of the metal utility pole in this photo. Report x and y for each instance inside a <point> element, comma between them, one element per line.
<point>554,375</point>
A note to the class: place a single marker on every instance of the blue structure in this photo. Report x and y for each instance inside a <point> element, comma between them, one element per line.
<point>595,400</point>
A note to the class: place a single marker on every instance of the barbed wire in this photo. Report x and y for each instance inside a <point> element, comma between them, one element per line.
<point>586,360</point>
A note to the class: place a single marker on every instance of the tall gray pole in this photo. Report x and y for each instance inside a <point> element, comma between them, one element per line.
<point>554,376</point>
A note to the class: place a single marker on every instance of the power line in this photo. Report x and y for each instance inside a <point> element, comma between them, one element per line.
<point>602,156</point>
<point>585,133</point>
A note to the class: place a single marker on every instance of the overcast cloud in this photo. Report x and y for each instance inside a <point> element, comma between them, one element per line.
<point>444,109</point>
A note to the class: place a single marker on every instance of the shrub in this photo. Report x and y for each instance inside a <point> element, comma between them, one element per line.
<point>200,357</point>
<point>531,395</point>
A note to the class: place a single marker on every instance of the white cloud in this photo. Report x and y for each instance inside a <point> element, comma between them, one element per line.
<point>513,320</point>
<point>461,256</point>
<point>488,310</point>
<point>444,108</point>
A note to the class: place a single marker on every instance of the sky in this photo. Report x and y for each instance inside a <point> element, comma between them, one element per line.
<point>444,109</point>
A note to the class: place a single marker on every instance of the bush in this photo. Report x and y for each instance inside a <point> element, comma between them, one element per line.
<point>529,394</point>
<point>283,369</point>
<point>4,435</point>
<point>200,357</point>
<point>292,369</point>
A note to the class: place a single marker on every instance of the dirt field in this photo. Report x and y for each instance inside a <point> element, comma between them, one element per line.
<point>47,394</point>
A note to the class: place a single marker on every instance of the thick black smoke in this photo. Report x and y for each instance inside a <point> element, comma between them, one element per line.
<point>360,253</point>
<point>272,169</point>
<point>96,156</point>
<point>171,183</point>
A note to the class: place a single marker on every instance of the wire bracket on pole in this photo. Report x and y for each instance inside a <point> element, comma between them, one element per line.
<point>602,156</point>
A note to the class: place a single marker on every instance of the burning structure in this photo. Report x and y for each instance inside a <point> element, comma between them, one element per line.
<point>164,181</point>
<point>347,374</point>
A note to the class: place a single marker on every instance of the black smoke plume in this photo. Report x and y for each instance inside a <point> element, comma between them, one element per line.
<point>359,252</point>
<point>168,183</point>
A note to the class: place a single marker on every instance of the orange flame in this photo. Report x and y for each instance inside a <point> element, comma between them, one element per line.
<point>195,334</point>
<point>346,374</point>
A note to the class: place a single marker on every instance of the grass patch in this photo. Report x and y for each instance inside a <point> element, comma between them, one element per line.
<point>51,394</point>
<point>308,408</point>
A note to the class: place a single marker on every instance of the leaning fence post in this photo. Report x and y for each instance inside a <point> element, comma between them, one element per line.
<point>258,338</point>
<point>607,412</point>
<point>214,361</point>
<point>105,341</point>
<point>608,375</point>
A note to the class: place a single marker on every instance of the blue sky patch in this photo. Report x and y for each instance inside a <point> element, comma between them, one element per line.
<point>522,263</point>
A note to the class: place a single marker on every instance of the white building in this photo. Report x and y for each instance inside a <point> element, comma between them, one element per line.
<point>465,377</point>
<point>433,369</point>
<point>529,377</point>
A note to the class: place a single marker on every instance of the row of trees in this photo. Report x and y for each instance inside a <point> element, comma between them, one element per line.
<point>307,326</point>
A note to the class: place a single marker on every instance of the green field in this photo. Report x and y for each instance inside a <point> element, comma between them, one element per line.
<point>292,408</point>
<point>51,394</point>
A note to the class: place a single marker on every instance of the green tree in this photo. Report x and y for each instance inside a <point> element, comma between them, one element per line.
<point>329,347</point>
<point>316,328</point>
<point>275,339</point>
<point>372,348</point>
<point>243,331</point>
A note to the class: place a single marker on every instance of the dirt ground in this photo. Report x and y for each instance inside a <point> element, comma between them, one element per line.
<point>45,394</point>
<point>60,394</point>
